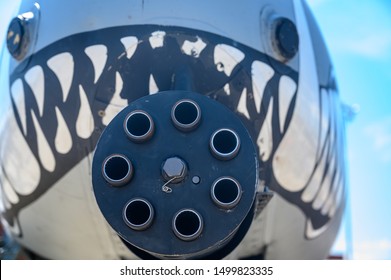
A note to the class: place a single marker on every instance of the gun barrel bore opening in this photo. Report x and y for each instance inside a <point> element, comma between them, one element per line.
<point>117,170</point>
<point>138,214</point>
<point>139,126</point>
<point>187,224</point>
<point>226,192</point>
<point>186,115</point>
<point>224,144</point>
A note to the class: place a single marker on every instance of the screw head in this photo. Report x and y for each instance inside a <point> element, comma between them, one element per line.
<point>174,167</point>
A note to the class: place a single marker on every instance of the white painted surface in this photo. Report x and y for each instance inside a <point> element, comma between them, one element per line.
<point>36,80</point>
<point>85,120</point>
<point>130,44</point>
<point>265,137</point>
<point>44,151</point>
<point>9,192</point>
<point>157,39</point>
<point>63,138</point>
<point>67,221</point>
<point>153,88</point>
<point>227,89</point>
<point>117,103</point>
<point>193,48</point>
<point>286,90</point>
<point>242,106</point>
<point>17,93</point>
<point>98,57</point>
<point>63,66</point>
<point>226,58</point>
<point>261,74</point>
<point>16,155</point>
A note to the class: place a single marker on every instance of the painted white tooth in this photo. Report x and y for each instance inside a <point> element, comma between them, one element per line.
<point>130,44</point>
<point>14,229</point>
<point>193,48</point>
<point>98,57</point>
<point>44,152</point>
<point>17,92</point>
<point>85,120</point>
<point>117,99</point>
<point>157,39</point>
<point>314,184</point>
<point>330,199</point>
<point>261,73</point>
<point>315,181</point>
<point>333,121</point>
<point>338,197</point>
<point>265,137</point>
<point>299,144</point>
<point>226,58</point>
<point>19,158</point>
<point>326,184</point>
<point>153,88</point>
<point>3,200</point>
<point>328,99</point>
<point>325,118</point>
<point>327,205</point>
<point>286,90</point>
<point>340,190</point>
<point>116,103</point>
<point>63,66</point>
<point>63,139</point>
<point>242,106</point>
<point>7,204</point>
<point>35,79</point>
<point>312,233</point>
<point>227,89</point>
<point>323,193</point>
<point>9,192</point>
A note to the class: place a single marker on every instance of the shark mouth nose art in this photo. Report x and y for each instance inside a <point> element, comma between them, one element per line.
<point>73,88</point>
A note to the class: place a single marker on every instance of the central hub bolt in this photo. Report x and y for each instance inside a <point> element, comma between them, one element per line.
<point>174,169</point>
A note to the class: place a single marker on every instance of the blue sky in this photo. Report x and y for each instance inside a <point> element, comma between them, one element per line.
<point>358,35</point>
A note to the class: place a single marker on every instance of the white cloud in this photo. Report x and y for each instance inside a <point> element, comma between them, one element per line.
<point>373,250</point>
<point>380,134</point>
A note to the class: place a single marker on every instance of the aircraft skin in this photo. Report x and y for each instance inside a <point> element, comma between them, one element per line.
<point>85,61</point>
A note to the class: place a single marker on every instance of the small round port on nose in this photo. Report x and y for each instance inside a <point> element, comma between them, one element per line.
<point>285,38</point>
<point>187,224</point>
<point>224,144</point>
<point>139,126</point>
<point>117,170</point>
<point>138,214</point>
<point>186,115</point>
<point>226,192</point>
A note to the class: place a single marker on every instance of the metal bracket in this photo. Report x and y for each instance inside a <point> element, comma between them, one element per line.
<point>262,198</point>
